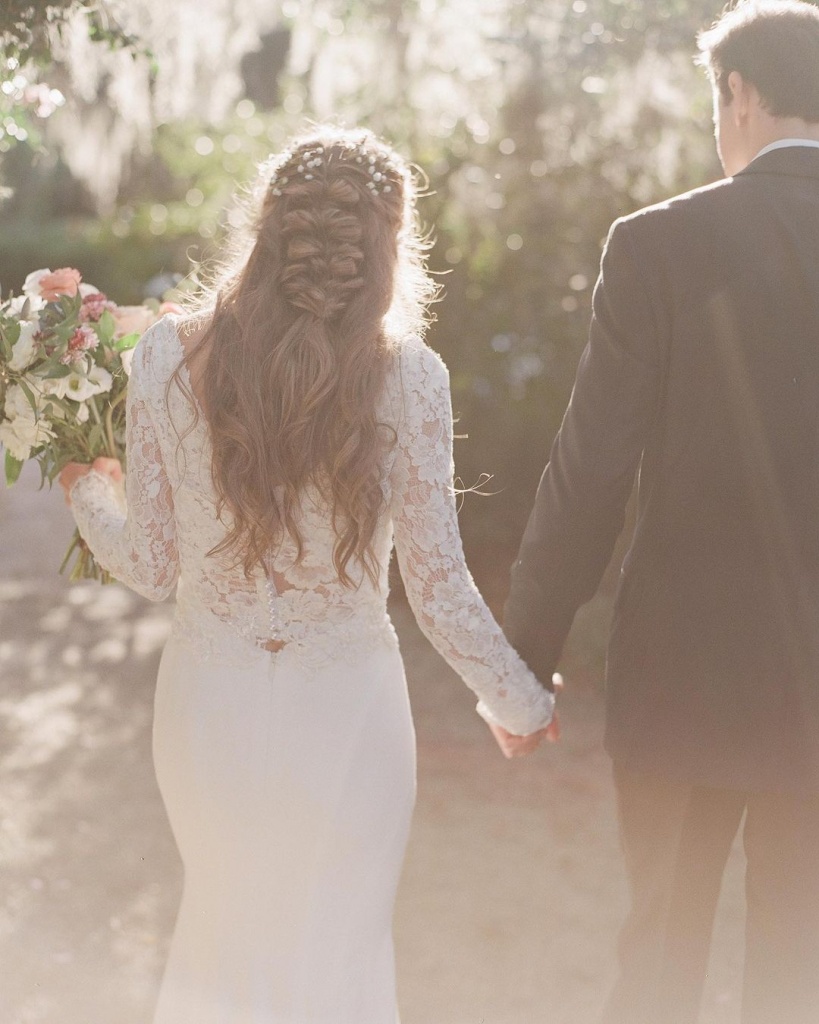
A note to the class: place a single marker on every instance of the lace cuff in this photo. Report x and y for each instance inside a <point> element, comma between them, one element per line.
<point>548,714</point>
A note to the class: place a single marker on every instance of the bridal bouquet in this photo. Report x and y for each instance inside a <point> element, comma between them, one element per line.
<point>65,356</point>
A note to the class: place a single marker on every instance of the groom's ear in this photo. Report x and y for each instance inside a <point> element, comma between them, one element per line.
<point>741,97</point>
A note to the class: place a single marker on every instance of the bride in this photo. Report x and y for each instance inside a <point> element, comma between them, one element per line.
<point>278,444</point>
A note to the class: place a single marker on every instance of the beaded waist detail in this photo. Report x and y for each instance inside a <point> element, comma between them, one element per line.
<point>313,644</point>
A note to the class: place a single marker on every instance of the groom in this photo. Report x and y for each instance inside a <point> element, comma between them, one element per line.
<point>702,371</point>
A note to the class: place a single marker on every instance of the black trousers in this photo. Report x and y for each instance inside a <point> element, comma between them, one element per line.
<point>676,840</point>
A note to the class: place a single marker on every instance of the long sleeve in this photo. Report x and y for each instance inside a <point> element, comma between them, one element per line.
<point>441,592</point>
<point>134,539</point>
<point>580,505</point>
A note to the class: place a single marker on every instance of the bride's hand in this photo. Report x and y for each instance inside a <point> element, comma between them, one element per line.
<point>519,746</point>
<point>110,467</point>
<point>69,475</point>
<point>72,472</point>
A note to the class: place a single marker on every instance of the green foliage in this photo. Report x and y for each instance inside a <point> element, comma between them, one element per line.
<point>117,265</point>
<point>607,114</point>
<point>600,110</point>
<point>27,32</point>
<point>13,468</point>
<point>27,26</point>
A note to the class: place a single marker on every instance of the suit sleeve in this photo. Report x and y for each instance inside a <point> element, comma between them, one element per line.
<point>580,505</point>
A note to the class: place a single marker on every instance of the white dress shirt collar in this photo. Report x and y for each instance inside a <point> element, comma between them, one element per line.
<point>786,143</point>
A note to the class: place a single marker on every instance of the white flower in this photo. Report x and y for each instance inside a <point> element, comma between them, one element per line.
<point>31,286</point>
<point>16,402</point>
<point>127,358</point>
<point>12,443</point>
<point>22,430</point>
<point>80,387</point>
<point>57,386</point>
<point>29,432</point>
<point>35,304</point>
<point>22,353</point>
<point>81,414</point>
<point>88,289</point>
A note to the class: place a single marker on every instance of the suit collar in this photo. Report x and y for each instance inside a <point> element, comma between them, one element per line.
<point>793,161</point>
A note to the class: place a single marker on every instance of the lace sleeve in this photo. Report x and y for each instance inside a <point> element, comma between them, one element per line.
<point>441,592</point>
<point>134,540</point>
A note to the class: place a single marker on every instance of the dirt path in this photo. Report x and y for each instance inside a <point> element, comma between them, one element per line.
<point>513,885</point>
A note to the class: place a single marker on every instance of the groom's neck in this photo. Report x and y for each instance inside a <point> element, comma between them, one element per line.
<point>762,130</point>
<point>793,128</point>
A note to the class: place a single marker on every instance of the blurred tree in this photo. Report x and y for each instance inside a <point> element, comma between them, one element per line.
<point>537,121</point>
<point>603,112</point>
<point>28,27</point>
<point>261,69</point>
<point>29,31</point>
<point>24,27</point>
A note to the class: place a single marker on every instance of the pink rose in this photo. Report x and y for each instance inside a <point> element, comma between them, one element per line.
<point>170,307</point>
<point>132,320</point>
<point>94,306</point>
<point>65,281</point>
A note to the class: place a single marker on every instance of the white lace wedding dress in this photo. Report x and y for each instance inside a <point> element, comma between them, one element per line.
<point>289,777</point>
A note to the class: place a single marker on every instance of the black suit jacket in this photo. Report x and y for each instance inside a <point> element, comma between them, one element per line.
<point>702,370</point>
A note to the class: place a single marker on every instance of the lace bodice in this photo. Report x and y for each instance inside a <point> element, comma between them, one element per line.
<point>162,533</point>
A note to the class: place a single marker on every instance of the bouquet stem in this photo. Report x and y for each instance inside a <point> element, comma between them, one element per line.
<point>109,425</point>
<point>85,567</point>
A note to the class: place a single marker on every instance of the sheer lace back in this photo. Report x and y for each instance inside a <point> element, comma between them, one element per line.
<point>300,605</point>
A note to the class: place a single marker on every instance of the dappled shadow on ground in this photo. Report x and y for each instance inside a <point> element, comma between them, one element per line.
<point>513,888</point>
<point>91,875</point>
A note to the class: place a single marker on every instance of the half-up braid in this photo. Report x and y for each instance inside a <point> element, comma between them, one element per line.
<point>323,256</point>
<point>294,359</point>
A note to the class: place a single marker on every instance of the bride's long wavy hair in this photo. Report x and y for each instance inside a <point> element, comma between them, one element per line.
<point>302,324</point>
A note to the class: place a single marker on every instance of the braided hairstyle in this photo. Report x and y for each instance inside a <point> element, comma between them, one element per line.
<point>294,359</point>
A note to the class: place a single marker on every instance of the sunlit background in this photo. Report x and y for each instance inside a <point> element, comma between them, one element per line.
<point>125,128</point>
<point>537,122</point>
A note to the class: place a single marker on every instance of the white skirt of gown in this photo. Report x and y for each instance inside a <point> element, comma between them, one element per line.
<point>290,792</point>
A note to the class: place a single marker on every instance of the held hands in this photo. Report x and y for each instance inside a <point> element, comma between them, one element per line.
<point>518,746</point>
<point>72,472</point>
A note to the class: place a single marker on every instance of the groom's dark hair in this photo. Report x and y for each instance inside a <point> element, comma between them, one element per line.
<point>774,45</point>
